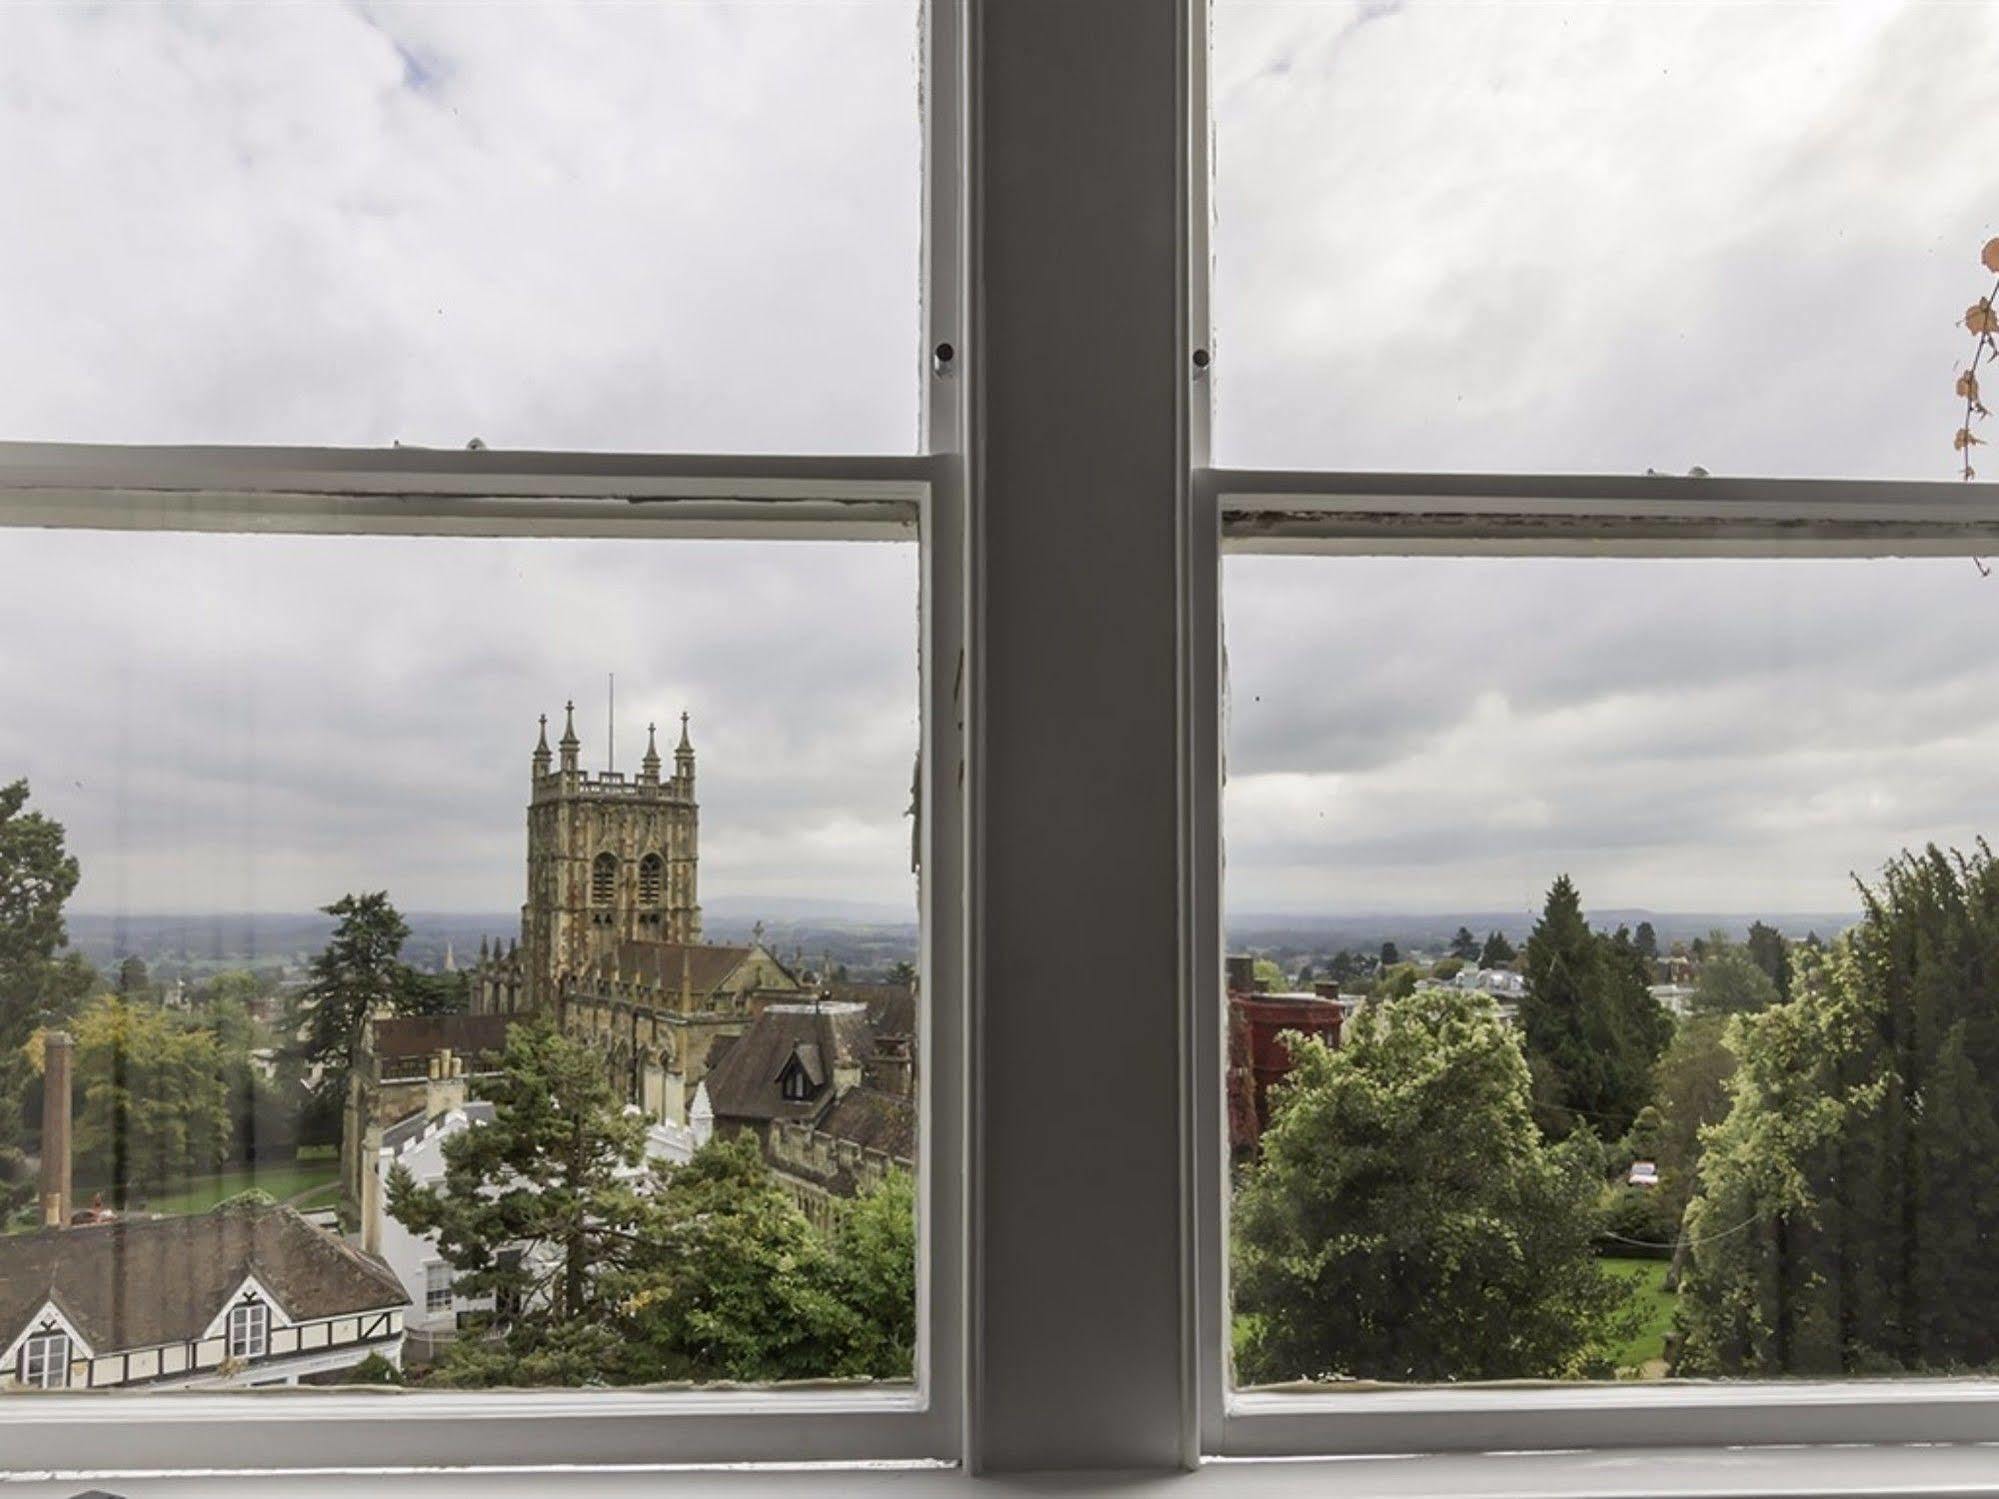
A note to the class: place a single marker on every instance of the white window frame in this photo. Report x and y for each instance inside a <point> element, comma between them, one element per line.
<point>1071,531</point>
<point>249,1330</point>
<point>41,1369</point>
<point>432,1271</point>
<point>1236,511</point>
<point>1534,515</point>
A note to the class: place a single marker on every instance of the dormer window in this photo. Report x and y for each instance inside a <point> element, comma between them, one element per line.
<point>249,1330</point>
<point>45,1361</point>
<point>802,1075</point>
<point>794,1084</point>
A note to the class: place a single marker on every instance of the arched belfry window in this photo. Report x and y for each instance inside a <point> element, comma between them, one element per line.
<point>603,879</point>
<point>652,879</point>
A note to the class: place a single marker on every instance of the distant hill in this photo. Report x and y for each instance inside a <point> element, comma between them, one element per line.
<point>865,942</point>
<point>1365,933</point>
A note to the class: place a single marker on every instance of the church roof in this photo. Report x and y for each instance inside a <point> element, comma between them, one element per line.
<point>710,968</point>
<point>141,1282</point>
<point>426,1035</point>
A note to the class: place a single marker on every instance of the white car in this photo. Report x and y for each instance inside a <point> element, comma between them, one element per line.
<point>1644,1174</point>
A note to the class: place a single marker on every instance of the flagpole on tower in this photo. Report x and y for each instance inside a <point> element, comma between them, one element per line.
<point>611,723</point>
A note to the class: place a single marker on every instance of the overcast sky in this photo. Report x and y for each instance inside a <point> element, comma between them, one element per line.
<point>1496,236</point>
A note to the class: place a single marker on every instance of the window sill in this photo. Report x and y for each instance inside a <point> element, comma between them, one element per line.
<point>1906,1470</point>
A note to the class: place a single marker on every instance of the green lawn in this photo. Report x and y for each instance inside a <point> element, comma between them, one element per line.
<point>1649,1346</point>
<point>202,1193</point>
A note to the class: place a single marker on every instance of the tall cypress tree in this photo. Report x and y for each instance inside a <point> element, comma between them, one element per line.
<point>1591,1027</point>
<point>1848,1219</point>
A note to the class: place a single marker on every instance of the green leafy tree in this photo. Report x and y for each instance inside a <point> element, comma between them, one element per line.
<point>1390,955</point>
<point>1464,946</point>
<point>874,1273</point>
<point>537,1209</point>
<point>1691,1091</point>
<point>1591,1027</point>
<point>1731,981</point>
<point>155,1105</point>
<point>133,980</point>
<point>1646,940</point>
<point>435,993</point>
<point>735,1283</point>
<point>233,986</point>
<point>1405,1219</point>
<point>1497,952</point>
<point>1397,982</point>
<point>1769,952</point>
<point>359,973</point>
<point>1847,1220</point>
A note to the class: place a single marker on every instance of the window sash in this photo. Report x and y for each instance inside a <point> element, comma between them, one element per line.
<point>1471,514</point>
<point>45,1361</point>
<point>249,1330</point>
<point>484,493</point>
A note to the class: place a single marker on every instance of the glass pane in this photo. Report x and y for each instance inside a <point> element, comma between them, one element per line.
<point>303,945</point>
<point>1738,235</point>
<point>654,226</point>
<point>1638,924</point>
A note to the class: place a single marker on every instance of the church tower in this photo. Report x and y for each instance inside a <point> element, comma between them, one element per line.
<point>610,859</point>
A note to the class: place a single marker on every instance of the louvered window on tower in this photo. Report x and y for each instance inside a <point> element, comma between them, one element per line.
<point>603,879</point>
<point>651,879</point>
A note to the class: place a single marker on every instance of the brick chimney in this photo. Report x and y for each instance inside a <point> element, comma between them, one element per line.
<point>56,1196</point>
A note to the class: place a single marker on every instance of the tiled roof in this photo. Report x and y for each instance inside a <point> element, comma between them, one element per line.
<point>137,1283</point>
<point>875,1121</point>
<point>891,1007</point>
<point>744,1081</point>
<point>424,1035</point>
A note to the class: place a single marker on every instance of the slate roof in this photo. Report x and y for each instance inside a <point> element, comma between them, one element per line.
<point>875,1121</point>
<point>744,1081</point>
<point>891,1007</point>
<point>141,1282</point>
<point>403,1131</point>
<point>422,1035</point>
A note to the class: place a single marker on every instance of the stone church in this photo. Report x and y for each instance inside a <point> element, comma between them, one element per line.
<point>610,940</point>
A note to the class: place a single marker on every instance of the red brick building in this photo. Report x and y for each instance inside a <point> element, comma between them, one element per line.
<point>1258,1058</point>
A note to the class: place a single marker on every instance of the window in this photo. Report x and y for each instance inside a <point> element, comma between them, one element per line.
<point>651,883</point>
<point>249,1330</point>
<point>1589,206</point>
<point>437,1277</point>
<point>45,1361</point>
<point>559,546</point>
<point>431,192</point>
<point>1066,800</point>
<point>1640,835</point>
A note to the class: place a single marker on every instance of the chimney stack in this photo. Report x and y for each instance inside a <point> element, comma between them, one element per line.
<point>56,1202</point>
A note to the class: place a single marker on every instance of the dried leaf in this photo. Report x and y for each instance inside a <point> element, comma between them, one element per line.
<point>1990,255</point>
<point>1967,386</point>
<point>1966,438</point>
<point>1980,318</point>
